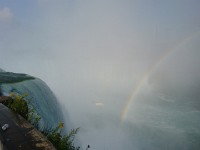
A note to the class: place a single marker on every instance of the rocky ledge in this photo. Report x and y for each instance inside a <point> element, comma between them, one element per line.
<point>16,133</point>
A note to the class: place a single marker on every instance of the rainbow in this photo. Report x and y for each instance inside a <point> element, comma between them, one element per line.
<point>150,70</point>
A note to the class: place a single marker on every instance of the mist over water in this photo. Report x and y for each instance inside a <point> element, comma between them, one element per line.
<point>94,54</point>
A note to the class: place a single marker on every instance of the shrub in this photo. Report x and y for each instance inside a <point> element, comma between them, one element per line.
<point>61,142</point>
<point>18,104</point>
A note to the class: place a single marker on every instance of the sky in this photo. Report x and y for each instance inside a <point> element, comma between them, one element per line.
<point>106,58</point>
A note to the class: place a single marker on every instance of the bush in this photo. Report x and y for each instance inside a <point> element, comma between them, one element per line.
<point>59,141</point>
<point>18,104</point>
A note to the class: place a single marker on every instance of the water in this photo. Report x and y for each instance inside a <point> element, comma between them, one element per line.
<point>155,122</point>
<point>156,119</point>
<point>166,123</point>
<point>41,97</point>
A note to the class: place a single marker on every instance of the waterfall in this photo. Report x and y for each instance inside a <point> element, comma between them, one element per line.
<point>40,96</point>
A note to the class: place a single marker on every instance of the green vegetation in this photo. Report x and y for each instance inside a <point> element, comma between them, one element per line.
<point>58,140</point>
<point>19,104</point>
<point>33,117</point>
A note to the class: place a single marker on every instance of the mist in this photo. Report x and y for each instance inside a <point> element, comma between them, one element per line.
<point>93,55</point>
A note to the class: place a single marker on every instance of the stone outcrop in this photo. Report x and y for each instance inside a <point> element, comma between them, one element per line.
<point>3,99</point>
<point>20,134</point>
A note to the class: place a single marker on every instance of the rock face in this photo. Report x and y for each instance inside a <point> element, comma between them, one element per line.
<point>19,134</point>
<point>4,98</point>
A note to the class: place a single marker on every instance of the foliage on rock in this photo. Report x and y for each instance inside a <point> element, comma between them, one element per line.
<point>61,142</point>
<point>18,104</point>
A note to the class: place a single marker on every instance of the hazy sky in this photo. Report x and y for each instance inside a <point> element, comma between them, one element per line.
<point>95,53</point>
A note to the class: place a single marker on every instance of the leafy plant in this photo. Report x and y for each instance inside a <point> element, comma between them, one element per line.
<point>58,140</point>
<point>18,104</point>
<point>33,117</point>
